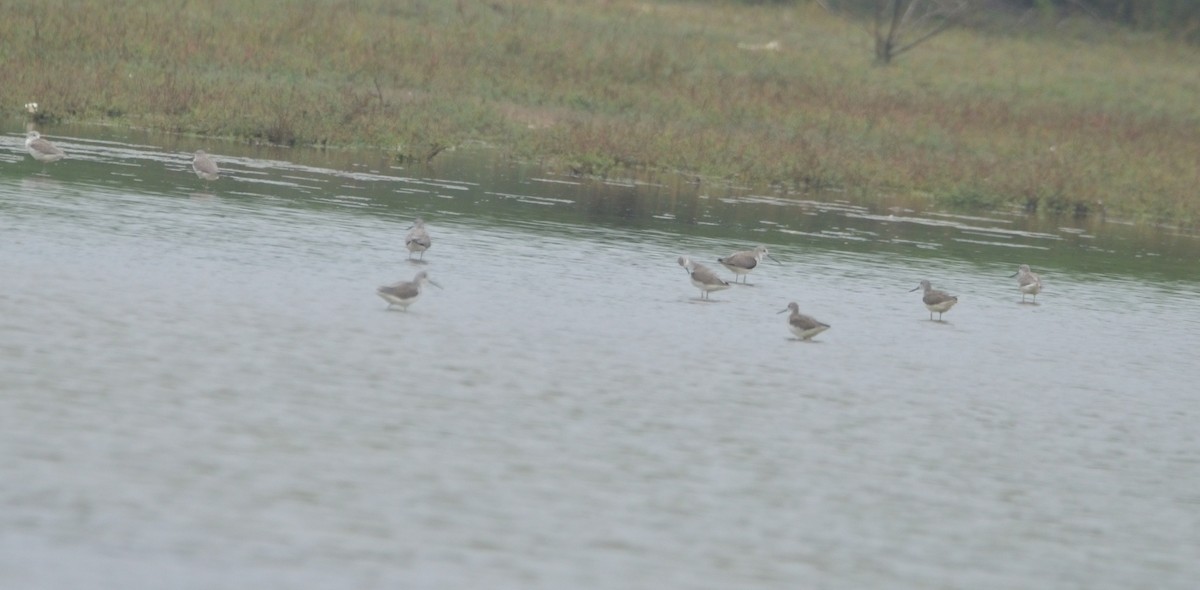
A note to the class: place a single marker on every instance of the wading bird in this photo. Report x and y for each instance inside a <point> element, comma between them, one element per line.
<point>417,239</point>
<point>1028,282</point>
<point>42,150</point>
<point>804,327</point>
<point>405,293</point>
<point>702,277</point>
<point>205,167</point>
<point>741,263</point>
<point>939,301</point>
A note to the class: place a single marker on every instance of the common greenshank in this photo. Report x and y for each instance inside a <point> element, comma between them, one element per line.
<point>939,301</point>
<point>702,277</point>
<point>803,326</point>
<point>741,263</point>
<point>417,239</point>
<point>205,167</point>
<point>41,149</point>
<point>405,293</point>
<point>1028,282</point>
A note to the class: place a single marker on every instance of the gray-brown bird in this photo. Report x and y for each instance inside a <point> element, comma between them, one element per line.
<point>935,300</point>
<point>1028,282</point>
<point>205,167</point>
<point>939,301</point>
<point>405,293</point>
<point>803,326</point>
<point>741,263</point>
<point>417,239</point>
<point>42,150</point>
<point>702,277</point>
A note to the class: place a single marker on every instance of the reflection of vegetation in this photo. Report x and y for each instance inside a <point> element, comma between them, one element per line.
<point>749,93</point>
<point>733,219</point>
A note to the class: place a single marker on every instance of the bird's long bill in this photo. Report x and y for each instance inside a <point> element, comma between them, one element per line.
<point>914,288</point>
<point>1014,274</point>
<point>776,261</point>
<point>433,283</point>
<point>782,310</point>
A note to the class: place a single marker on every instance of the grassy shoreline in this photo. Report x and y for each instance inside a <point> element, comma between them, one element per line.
<point>1084,122</point>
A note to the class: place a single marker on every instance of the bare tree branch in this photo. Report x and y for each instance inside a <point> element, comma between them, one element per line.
<point>927,36</point>
<point>908,12</point>
<point>892,21</point>
<point>892,30</point>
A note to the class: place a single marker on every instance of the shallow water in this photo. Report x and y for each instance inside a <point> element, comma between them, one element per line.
<point>199,387</point>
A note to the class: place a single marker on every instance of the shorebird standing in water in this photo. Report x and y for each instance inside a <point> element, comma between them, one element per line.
<point>702,277</point>
<point>42,150</point>
<point>418,239</point>
<point>939,301</point>
<point>741,263</point>
<point>205,167</point>
<point>804,327</point>
<point>405,293</point>
<point>1028,282</point>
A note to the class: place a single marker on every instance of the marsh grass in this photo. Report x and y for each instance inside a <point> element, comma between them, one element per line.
<point>1079,123</point>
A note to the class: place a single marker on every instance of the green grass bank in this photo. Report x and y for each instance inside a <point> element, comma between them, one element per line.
<point>1077,119</point>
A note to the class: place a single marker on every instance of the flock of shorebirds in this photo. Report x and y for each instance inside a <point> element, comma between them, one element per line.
<point>404,293</point>
<point>740,264</point>
<point>806,327</point>
<point>44,151</point>
<point>417,241</point>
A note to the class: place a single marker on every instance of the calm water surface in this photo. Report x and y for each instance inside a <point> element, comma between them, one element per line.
<point>200,389</point>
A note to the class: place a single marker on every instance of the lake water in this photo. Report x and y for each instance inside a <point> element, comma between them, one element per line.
<point>200,389</point>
